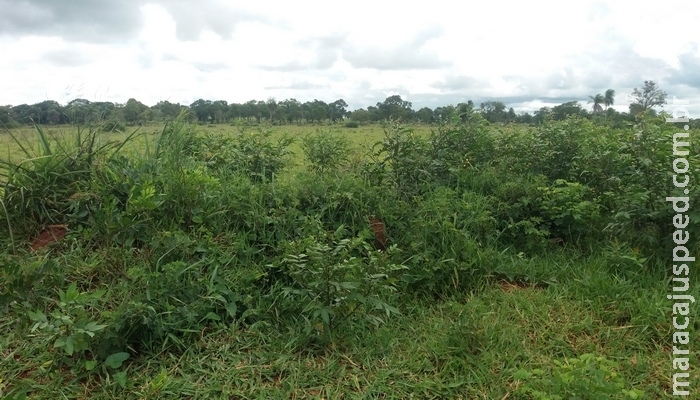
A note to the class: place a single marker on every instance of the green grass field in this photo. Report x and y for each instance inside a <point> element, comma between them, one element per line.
<point>197,278</point>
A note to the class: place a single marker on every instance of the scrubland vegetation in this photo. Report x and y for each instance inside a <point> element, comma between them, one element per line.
<point>469,260</point>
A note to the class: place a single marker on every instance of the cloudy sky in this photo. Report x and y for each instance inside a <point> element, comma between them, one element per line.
<point>526,54</point>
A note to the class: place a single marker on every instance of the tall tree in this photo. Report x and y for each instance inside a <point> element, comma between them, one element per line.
<point>494,111</point>
<point>338,109</point>
<point>202,108</point>
<point>597,100</point>
<point>271,105</point>
<point>649,97</point>
<point>134,110</point>
<point>609,98</point>
<point>564,110</point>
<point>395,108</point>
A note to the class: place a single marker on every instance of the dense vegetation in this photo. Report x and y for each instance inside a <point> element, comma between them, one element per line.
<point>464,264</point>
<point>292,111</point>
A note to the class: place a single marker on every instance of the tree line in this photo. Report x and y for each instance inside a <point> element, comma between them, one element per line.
<point>292,111</point>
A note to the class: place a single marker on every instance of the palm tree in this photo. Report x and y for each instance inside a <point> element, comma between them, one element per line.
<point>609,98</point>
<point>597,100</point>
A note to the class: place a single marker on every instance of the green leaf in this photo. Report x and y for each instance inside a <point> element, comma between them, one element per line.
<point>90,365</point>
<point>522,375</point>
<point>37,317</point>
<point>120,377</point>
<point>68,348</point>
<point>72,292</point>
<point>93,327</point>
<point>325,316</point>
<point>211,316</point>
<point>115,360</point>
<point>232,309</point>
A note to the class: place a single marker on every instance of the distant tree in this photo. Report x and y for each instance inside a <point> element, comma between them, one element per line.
<point>261,109</point>
<point>361,116</point>
<point>291,108</point>
<point>465,110</point>
<point>649,97</point>
<point>395,107</point>
<point>134,111</point>
<point>219,111</point>
<point>444,113</point>
<point>524,118</point>
<point>425,115</point>
<point>597,100</point>
<point>319,113</point>
<point>374,113</point>
<point>541,115</point>
<point>272,106</point>
<point>511,116</point>
<point>494,111</point>
<point>167,109</point>
<point>337,110</point>
<point>249,110</point>
<point>565,110</point>
<point>5,116</point>
<point>609,98</point>
<point>202,109</point>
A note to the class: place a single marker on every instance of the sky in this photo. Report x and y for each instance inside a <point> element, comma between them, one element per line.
<point>526,54</point>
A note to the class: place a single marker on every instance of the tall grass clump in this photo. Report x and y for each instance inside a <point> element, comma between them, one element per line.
<point>52,184</point>
<point>325,150</point>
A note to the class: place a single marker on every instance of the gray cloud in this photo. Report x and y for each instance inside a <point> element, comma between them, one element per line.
<point>74,20</point>
<point>114,21</point>
<point>193,18</point>
<point>406,56</point>
<point>689,72</point>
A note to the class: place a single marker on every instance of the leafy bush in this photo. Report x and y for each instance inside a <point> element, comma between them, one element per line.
<point>456,145</point>
<point>339,281</point>
<point>401,158</point>
<point>569,210</point>
<point>113,125</point>
<point>325,150</point>
<point>71,325</point>
<point>586,377</point>
<point>352,124</point>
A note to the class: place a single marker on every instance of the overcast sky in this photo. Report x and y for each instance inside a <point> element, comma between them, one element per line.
<point>527,54</point>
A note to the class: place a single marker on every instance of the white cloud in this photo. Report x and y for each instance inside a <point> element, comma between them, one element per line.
<point>363,51</point>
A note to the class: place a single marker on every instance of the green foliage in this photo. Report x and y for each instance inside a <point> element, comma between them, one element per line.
<point>216,266</point>
<point>341,281</point>
<point>401,158</point>
<point>325,150</point>
<point>42,189</point>
<point>586,377</point>
<point>113,125</point>
<point>455,146</point>
<point>70,325</point>
<point>569,209</point>
<point>352,124</point>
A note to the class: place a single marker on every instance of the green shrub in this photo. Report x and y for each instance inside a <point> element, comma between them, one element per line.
<point>339,279</point>
<point>325,150</point>
<point>586,377</point>
<point>113,125</point>
<point>352,124</point>
<point>569,210</point>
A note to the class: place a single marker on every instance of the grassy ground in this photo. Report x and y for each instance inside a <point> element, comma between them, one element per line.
<point>468,346</point>
<point>504,320</point>
<point>360,137</point>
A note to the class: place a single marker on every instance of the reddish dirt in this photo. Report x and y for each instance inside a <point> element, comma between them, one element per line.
<point>379,232</point>
<point>52,234</point>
